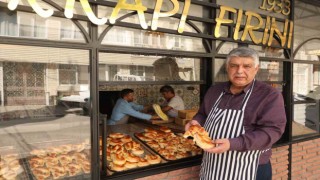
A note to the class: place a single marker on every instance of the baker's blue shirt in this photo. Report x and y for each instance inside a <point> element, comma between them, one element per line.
<point>123,108</point>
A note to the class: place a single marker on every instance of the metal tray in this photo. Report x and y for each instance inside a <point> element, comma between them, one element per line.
<point>156,152</point>
<point>45,145</point>
<point>146,152</point>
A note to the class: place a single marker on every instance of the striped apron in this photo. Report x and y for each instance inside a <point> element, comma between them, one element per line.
<point>230,165</point>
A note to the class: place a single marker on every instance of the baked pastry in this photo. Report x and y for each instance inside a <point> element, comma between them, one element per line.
<point>116,167</point>
<point>38,152</point>
<point>126,139</point>
<point>73,169</point>
<point>131,165</point>
<point>137,151</point>
<point>9,175</point>
<point>4,169</point>
<point>159,112</point>
<point>153,159</point>
<point>64,159</point>
<point>114,142</point>
<point>86,166</point>
<point>200,136</point>
<point>143,162</point>
<point>41,171</point>
<point>118,159</point>
<point>14,165</point>
<point>165,129</point>
<point>36,162</point>
<point>131,157</point>
<point>116,135</point>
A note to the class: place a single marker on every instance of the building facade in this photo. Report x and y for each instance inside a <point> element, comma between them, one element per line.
<point>59,58</point>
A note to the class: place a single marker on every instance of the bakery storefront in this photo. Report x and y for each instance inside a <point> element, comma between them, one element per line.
<point>64,62</point>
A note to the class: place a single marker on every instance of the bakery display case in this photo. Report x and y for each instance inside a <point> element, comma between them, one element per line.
<point>140,149</point>
<point>43,149</point>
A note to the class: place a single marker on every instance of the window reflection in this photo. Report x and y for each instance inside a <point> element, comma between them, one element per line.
<point>120,67</point>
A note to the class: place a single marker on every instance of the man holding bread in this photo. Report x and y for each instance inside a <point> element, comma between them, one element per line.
<point>125,107</point>
<point>243,118</point>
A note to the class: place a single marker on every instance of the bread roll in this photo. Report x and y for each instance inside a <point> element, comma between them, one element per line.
<point>131,165</point>
<point>116,167</point>
<point>153,159</point>
<point>116,135</point>
<point>200,136</point>
<point>143,162</point>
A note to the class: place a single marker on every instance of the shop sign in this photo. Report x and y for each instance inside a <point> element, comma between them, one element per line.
<point>269,29</point>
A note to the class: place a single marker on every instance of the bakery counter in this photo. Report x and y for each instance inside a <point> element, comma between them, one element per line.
<point>174,161</point>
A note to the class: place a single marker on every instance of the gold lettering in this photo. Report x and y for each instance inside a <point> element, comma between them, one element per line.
<point>237,29</point>
<point>68,9</point>
<point>249,28</point>
<point>157,13</point>
<point>93,18</point>
<point>184,15</point>
<point>290,35</point>
<point>122,4</point>
<point>274,29</point>
<point>13,4</point>
<point>220,20</point>
<point>266,31</point>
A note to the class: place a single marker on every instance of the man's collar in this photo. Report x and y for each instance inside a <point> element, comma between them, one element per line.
<point>245,90</point>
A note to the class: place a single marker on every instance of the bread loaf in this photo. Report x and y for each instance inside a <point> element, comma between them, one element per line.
<point>158,110</point>
<point>200,136</point>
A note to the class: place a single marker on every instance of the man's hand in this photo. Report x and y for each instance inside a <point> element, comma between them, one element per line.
<point>155,117</point>
<point>192,122</point>
<point>222,145</point>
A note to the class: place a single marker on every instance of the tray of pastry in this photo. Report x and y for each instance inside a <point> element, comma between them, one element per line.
<point>59,160</point>
<point>124,153</point>
<point>168,145</point>
<point>11,164</point>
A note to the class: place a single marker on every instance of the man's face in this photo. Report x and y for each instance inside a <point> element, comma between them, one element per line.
<point>241,71</point>
<point>130,97</point>
<point>166,95</point>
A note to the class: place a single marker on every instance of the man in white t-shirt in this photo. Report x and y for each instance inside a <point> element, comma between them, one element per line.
<point>172,103</point>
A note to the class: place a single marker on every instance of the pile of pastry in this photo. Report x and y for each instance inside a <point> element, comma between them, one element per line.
<point>9,166</point>
<point>123,153</point>
<point>168,144</point>
<point>60,161</point>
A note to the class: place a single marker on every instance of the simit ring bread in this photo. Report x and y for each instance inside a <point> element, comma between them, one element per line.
<point>200,136</point>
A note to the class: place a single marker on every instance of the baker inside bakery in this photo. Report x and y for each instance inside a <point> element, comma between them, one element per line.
<point>173,102</point>
<point>126,108</point>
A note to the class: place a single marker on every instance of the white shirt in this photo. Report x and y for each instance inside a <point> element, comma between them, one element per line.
<point>176,103</point>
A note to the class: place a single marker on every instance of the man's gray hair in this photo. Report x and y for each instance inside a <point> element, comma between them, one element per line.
<point>244,52</point>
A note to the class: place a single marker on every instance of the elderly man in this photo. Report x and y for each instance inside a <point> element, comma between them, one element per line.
<point>125,107</point>
<point>244,118</point>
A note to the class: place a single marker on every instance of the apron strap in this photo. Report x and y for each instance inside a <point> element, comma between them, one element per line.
<point>247,95</point>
